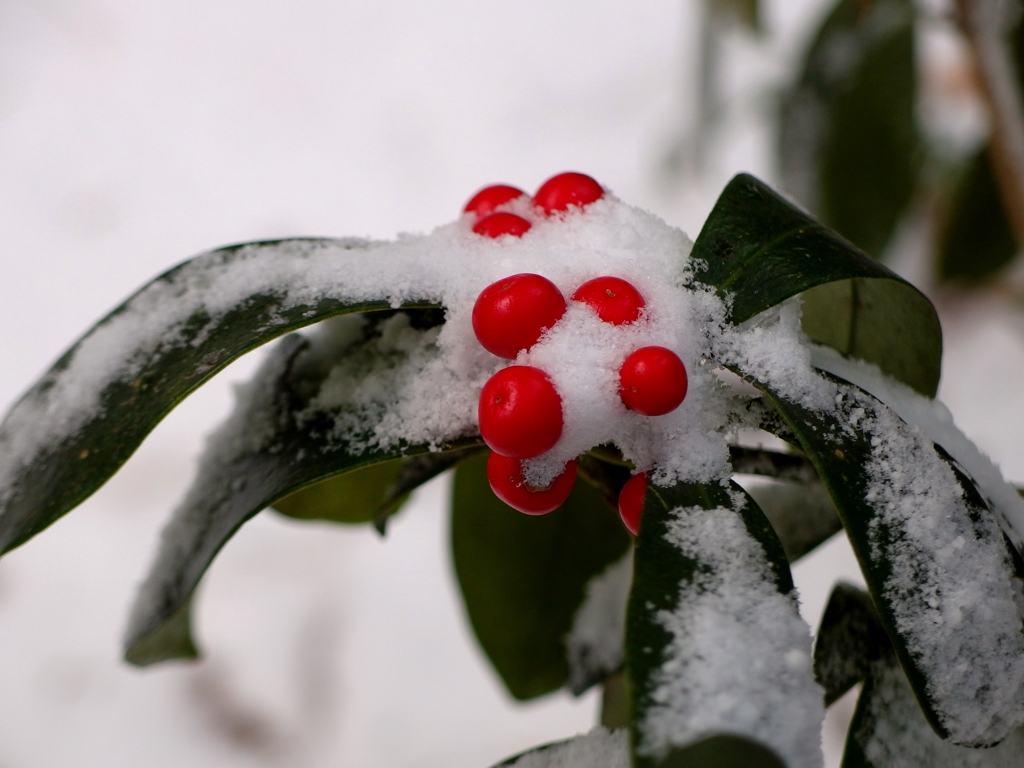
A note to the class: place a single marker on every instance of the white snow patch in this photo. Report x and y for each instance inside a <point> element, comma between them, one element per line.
<point>594,645</point>
<point>898,734</point>
<point>740,658</point>
<point>600,748</point>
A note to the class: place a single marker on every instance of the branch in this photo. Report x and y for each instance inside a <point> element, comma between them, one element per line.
<point>985,23</point>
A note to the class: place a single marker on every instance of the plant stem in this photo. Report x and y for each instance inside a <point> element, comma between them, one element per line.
<point>985,25</point>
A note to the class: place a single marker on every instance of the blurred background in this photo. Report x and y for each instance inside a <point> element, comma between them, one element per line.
<point>134,135</point>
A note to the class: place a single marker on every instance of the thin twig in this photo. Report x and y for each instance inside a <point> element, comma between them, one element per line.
<point>985,25</point>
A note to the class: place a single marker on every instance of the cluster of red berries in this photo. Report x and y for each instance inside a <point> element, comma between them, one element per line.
<point>555,195</point>
<point>520,410</point>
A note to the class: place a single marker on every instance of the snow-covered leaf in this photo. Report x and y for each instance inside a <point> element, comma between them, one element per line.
<point>76,426</point>
<point>975,241</point>
<point>523,578</point>
<point>172,640</point>
<point>601,748</point>
<point>848,138</point>
<point>849,639</point>
<point>714,641</point>
<point>760,249</point>
<point>888,729</point>
<point>274,443</point>
<point>936,562</point>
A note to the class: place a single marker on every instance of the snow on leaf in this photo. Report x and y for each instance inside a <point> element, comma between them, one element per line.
<point>715,642</point>
<point>935,560</point>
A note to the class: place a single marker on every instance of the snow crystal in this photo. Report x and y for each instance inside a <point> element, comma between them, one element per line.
<point>740,656</point>
<point>594,645</point>
<point>951,581</point>
<point>600,748</point>
<point>895,732</point>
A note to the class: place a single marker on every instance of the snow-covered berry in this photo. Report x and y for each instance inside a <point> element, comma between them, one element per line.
<point>511,314</point>
<point>520,412</point>
<point>488,199</point>
<point>615,300</point>
<point>501,223</point>
<point>566,189</point>
<point>652,381</point>
<point>506,478</point>
<point>631,501</point>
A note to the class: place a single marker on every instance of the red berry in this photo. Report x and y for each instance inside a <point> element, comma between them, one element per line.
<point>652,381</point>
<point>489,198</point>
<point>631,501</point>
<point>501,223</point>
<point>511,314</point>
<point>615,301</point>
<point>520,412</point>
<point>565,189</point>
<point>506,478</point>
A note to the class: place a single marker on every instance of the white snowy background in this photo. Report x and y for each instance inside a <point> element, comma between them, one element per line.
<point>134,135</point>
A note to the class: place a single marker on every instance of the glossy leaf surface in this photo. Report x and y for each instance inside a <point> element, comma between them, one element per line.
<point>75,427</point>
<point>760,249</point>
<point>848,139</point>
<point>523,577</point>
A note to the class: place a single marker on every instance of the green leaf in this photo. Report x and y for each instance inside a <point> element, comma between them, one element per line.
<point>722,751</point>
<point>877,470</point>
<point>850,638</point>
<point>76,426</point>
<point>849,144</point>
<point>268,449</point>
<point>888,729</point>
<point>761,250</point>
<point>976,240</point>
<point>172,640</point>
<point>802,516</point>
<point>523,577</point>
<point>710,571</point>
<point>353,497</point>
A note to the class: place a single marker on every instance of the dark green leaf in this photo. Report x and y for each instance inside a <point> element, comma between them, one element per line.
<point>523,577</point>
<point>761,250</point>
<point>848,139</point>
<point>664,573</point>
<point>722,751</point>
<point>892,555</point>
<point>241,474</point>
<point>976,240</point>
<point>157,347</point>
<point>850,638</point>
